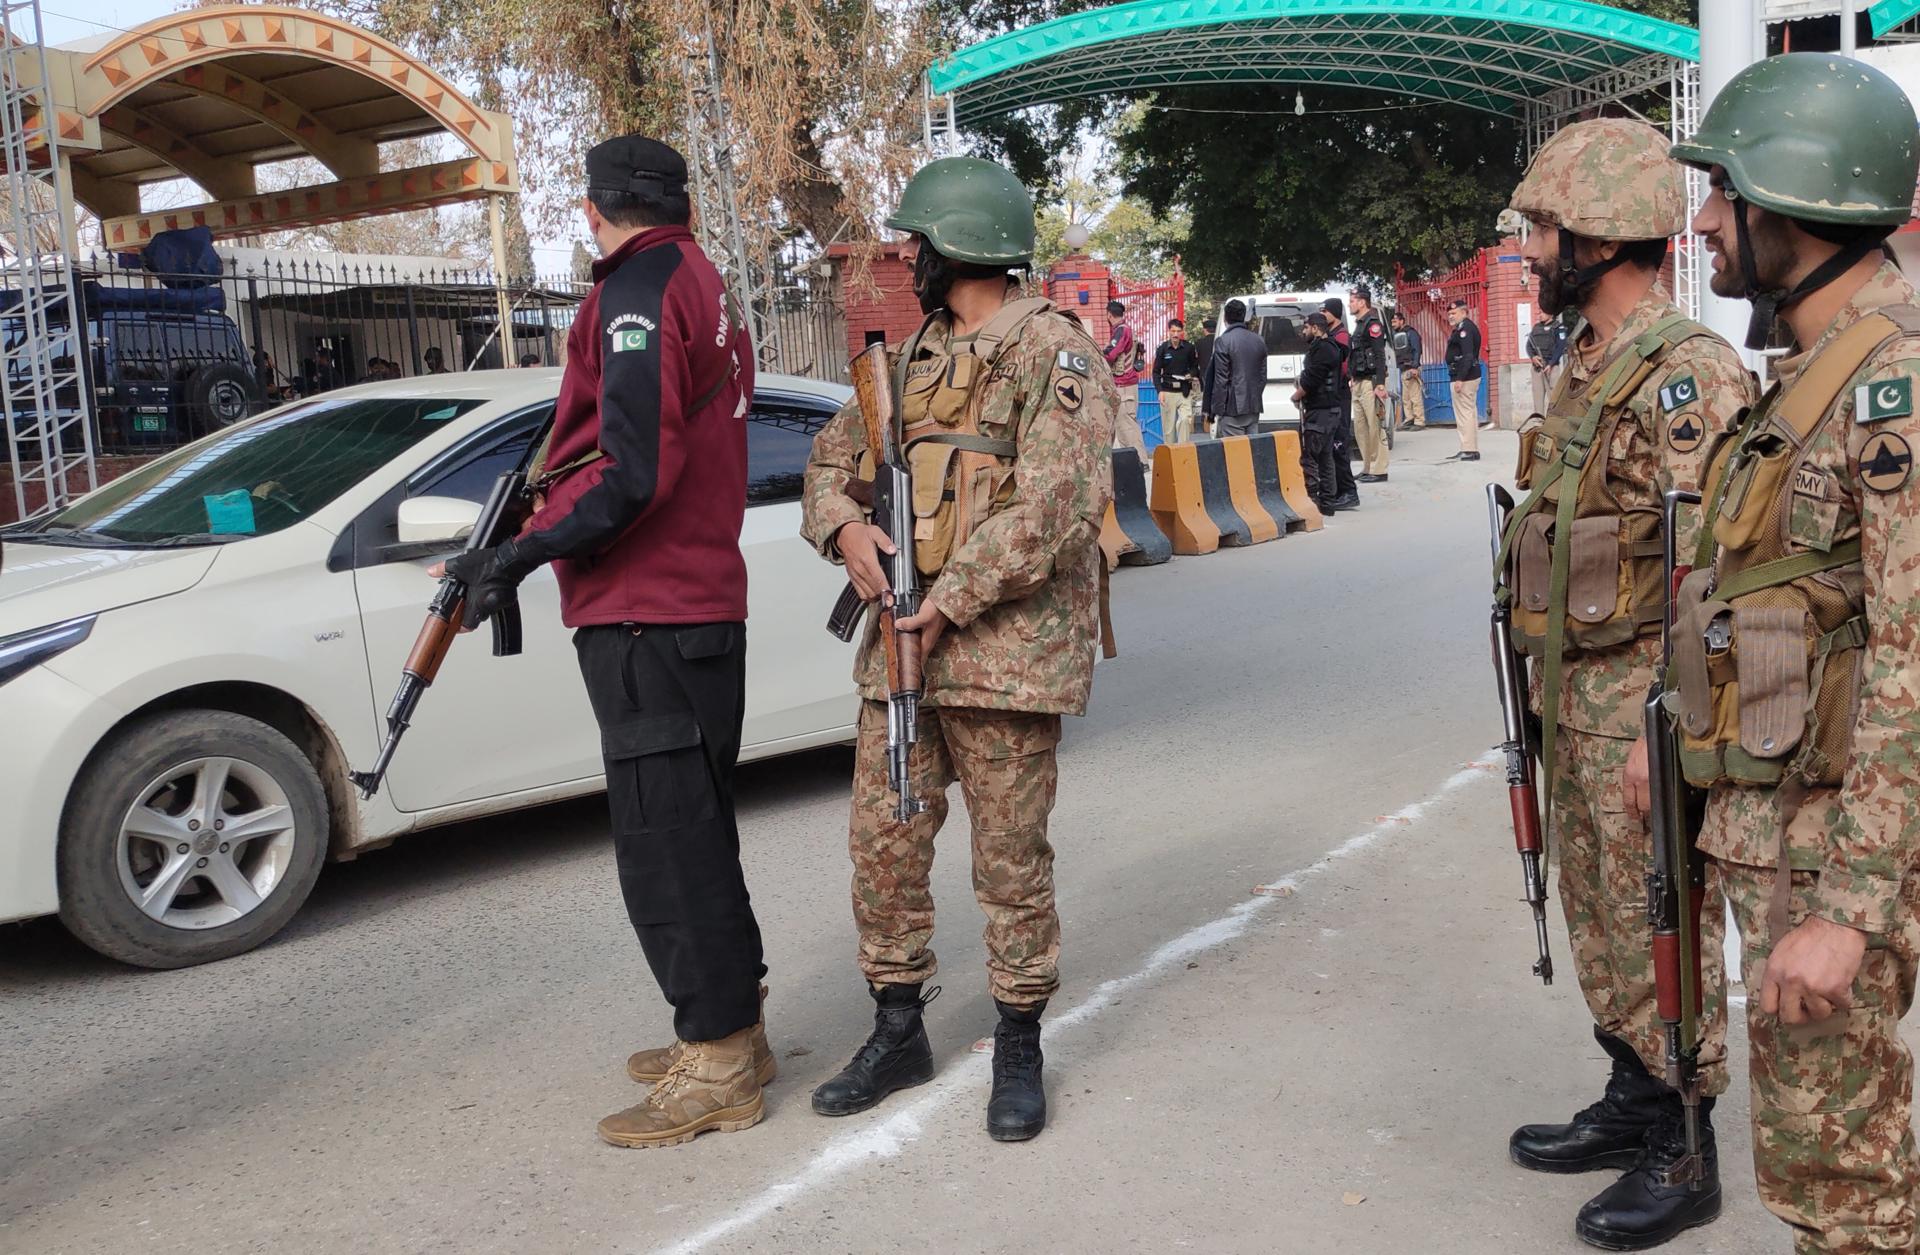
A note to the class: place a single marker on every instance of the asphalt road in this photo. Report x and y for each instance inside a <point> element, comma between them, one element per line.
<point>1332,1064</point>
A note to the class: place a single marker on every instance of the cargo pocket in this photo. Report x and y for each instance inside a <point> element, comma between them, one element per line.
<point>1770,656</point>
<point>709,640</point>
<point>1839,1064</point>
<point>1593,570</point>
<point>657,774</point>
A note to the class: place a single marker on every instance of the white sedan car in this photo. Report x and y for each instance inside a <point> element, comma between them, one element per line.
<point>192,657</point>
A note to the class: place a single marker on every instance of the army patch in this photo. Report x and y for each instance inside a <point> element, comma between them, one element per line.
<point>1681,392</point>
<point>926,366</point>
<point>1886,462</point>
<point>1808,482</point>
<point>1686,432</point>
<point>1079,364</point>
<point>1890,398</point>
<point>1069,392</point>
<point>630,339</point>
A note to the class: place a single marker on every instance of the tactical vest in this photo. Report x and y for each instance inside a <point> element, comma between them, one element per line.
<point>1579,558</point>
<point>960,477</point>
<point>1769,641</point>
<point>1369,350</point>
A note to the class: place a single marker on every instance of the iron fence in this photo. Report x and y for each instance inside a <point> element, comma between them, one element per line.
<point>167,358</point>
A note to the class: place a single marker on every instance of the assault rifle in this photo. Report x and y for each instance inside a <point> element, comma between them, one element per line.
<point>1522,798</point>
<point>500,519</point>
<point>892,512</point>
<point>1677,884</point>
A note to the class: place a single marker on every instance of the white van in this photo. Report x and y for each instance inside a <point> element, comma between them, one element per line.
<point>1277,316</point>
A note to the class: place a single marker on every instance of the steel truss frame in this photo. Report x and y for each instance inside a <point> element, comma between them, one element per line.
<point>46,443</point>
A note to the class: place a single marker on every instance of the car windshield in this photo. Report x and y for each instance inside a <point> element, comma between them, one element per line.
<point>255,478</point>
<point>1280,328</point>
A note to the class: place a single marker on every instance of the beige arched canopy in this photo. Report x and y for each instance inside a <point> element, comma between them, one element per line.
<point>210,94</point>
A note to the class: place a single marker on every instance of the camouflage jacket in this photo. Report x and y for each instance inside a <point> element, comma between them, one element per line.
<point>1023,591</point>
<point>1699,391</point>
<point>1863,836</point>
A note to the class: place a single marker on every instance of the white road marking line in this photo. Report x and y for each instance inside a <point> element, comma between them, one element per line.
<point>887,1138</point>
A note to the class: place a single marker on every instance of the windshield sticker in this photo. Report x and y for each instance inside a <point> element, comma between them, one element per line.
<point>441,416</point>
<point>229,513</point>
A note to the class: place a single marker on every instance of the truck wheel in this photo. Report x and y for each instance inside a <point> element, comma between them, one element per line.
<point>219,395</point>
<point>189,837</point>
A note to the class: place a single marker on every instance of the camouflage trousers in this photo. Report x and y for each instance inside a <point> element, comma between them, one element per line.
<point>1833,1148</point>
<point>1004,761</point>
<point>1605,854</point>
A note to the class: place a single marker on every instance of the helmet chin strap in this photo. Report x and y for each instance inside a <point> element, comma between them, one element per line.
<point>1576,276</point>
<point>1770,303</point>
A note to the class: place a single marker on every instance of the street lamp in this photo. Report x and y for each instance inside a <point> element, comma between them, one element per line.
<point>1076,236</point>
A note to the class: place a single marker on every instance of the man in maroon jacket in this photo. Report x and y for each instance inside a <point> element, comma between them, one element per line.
<point>642,489</point>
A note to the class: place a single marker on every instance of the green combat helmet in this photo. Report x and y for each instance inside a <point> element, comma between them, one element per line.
<point>1813,137</point>
<point>970,211</point>
<point>1824,140</point>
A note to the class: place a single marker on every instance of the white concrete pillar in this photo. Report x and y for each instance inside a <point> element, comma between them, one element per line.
<point>1732,37</point>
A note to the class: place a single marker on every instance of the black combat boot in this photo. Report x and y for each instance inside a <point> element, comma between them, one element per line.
<point>896,1056</point>
<point>1647,1207</point>
<point>1609,1134</point>
<point>1018,1108</point>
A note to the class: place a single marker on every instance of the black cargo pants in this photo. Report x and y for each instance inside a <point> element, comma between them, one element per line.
<point>670,700</point>
<point>1317,458</point>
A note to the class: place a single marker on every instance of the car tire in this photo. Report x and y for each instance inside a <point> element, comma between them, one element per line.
<point>154,773</point>
<point>219,395</point>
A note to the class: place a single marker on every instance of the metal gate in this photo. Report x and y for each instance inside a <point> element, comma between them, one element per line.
<point>1426,301</point>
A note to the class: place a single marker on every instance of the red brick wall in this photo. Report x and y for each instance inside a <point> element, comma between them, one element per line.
<point>105,469</point>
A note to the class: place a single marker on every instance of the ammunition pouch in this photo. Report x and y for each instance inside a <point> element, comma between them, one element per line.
<point>960,477</point>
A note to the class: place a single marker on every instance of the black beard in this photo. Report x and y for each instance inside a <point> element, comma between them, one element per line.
<point>932,279</point>
<point>1558,291</point>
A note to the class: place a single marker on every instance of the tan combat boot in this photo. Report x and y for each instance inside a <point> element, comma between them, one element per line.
<point>649,1066</point>
<point>710,1086</point>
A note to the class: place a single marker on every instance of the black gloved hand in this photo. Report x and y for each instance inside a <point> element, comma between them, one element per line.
<point>492,577</point>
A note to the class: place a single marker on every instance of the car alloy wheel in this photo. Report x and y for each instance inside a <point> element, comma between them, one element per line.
<point>205,843</point>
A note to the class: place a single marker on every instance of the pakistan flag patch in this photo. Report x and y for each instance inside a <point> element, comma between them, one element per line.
<point>1890,398</point>
<point>629,338</point>
<point>1679,393</point>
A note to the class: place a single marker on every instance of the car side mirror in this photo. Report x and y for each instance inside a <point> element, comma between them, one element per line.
<point>436,520</point>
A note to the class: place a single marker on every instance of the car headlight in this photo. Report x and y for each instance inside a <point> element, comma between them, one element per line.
<point>23,651</point>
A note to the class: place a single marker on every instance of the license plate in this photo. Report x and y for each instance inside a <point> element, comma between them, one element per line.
<point>149,422</point>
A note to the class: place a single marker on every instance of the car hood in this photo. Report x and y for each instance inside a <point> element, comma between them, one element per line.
<point>44,584</point>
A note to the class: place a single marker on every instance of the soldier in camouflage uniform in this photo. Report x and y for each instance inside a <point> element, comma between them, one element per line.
<point>1009,626</point>
<point>1643,389</point>
<point>1794,655</point>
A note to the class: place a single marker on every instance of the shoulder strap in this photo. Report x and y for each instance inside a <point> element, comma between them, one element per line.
<point>1000,328</point>
<point>1803,406</point>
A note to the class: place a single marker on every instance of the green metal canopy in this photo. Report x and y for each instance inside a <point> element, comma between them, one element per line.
<point>1500,56</point>
<point>1888,14</point>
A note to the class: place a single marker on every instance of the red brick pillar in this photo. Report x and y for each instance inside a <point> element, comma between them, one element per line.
<point>881,303</point>
<point>1079,283</point>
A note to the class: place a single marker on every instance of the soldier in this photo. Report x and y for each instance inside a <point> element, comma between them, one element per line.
<point>1008,628</point>
<point>1794,653</point>
<point>1628,420</point>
